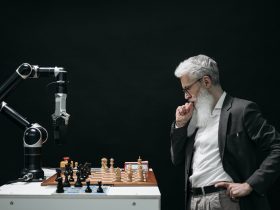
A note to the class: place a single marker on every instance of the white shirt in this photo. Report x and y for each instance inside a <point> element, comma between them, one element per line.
<point>207,165</point>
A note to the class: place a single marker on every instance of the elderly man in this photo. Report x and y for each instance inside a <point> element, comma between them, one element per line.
<point>231,154</point>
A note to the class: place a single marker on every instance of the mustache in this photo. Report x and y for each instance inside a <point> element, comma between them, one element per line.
<point>188,101</point>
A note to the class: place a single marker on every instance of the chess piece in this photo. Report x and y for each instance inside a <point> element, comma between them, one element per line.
<point>99,189</point>
<point>59,188</point>
<point>79,167</point>
<point>88,169</point>
<point>129,173</point>
<point>118,175</point>
<point>129,167</point>
<point>69,163</point>
<point>140,176</point>
<point>129,176</point>
<point>139,161</point>
<point>76,165</point>
<point>66,181</point>
<point>88,189</point>
<point>104,165</point>
<point>78,182</point>
<point>83,173</point>
<point>112,165</point>
<point>72,164</point>
<point>58,173</point>
<point>64,162</point>
<point>71,179</point>
<point>144,176</point>
<point>67,168</point>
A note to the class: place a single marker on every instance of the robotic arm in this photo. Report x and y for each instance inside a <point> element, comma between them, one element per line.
<point>34,134</point>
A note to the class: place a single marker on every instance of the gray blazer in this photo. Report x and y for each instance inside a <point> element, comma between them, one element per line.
<point>249,149</point>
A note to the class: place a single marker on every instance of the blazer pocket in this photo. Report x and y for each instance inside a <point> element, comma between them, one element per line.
<point>235,143</point>
<point>235,135</point>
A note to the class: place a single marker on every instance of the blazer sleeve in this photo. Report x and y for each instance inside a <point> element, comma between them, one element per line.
<point>178,141</point>
<point>267,140</point>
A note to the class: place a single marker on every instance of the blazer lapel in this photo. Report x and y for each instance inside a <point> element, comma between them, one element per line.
<point>223,123</point>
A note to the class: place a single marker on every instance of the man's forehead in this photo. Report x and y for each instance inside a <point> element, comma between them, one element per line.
<point>185,80</point>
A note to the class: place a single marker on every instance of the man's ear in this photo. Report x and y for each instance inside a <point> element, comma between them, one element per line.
<point>207,81</point>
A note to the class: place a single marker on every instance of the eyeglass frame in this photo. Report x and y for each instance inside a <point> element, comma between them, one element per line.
<point>187,89</point>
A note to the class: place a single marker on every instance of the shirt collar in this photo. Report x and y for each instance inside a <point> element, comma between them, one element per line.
<point>220,102</point>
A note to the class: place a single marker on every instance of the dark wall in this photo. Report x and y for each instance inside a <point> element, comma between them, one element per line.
<point>121,59</point>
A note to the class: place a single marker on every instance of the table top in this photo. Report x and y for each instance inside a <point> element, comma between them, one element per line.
<point>35,189</point>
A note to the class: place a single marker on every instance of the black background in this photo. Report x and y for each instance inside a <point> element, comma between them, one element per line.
<point>121,59</point>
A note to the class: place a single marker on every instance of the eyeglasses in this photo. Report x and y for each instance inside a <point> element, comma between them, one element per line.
<point>188,88</point>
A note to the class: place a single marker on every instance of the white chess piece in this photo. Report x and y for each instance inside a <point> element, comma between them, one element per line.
<point>140,176</point>
<point>104,165</point>
<point>129,173</point>
<point>118,175</point>
<point>112,165</point>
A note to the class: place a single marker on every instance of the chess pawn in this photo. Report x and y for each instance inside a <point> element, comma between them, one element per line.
<point>112,165</point>
<point>118,175</point>
<point>88,189</point>
<point>140,177</point>
<point>99,189</point>
<point>105,163</point>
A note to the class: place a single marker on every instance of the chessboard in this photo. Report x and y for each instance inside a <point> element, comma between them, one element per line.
<point>108,178</point>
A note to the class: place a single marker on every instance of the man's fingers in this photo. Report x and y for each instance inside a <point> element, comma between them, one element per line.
<point>185,109</point>
<point>234,193</point>
<point>222,184</point>
<point>188,106</point>
<point>182,110</point>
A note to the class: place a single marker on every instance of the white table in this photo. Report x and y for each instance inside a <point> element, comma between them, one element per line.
<point>33,196</point>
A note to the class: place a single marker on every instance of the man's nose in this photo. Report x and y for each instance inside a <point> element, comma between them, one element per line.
<point>187,96</point>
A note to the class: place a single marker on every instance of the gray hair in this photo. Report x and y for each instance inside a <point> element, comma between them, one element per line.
<point>198,66</point>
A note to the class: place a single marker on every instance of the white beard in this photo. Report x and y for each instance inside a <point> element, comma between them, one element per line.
<point>204,106</point>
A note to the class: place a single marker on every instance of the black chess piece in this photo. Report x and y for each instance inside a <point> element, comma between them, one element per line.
<point>59,188</point>
<point>99,189</point>
<point>79,167</point>
<point>66,181</point>
<point>68,167</point>
<point>58,174</point>
<point>71,179</point>
<point>89,169</point>
<point>83,175</point>
<point>88,189</point>
<point>78,182</point>
<point>84,172</point>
